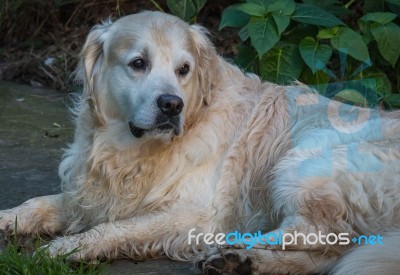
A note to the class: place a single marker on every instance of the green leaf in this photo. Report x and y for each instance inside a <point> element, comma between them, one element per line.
<point>380,84</point>
<point>379,17</point>
<point>315,16</point>
<point>394,2</point>
<point>314,54</point>
<point>327,33</point>
<point>282,22</point>
<point>394,6</point>
<point>282,7</point>
<point>393,100</point>
<point>320,3</point>
<point>263,3</point>
<point>388,39</point>
<point>199,4</point>
<point>374,5</point>
<point>246,57</point>
<point>348,41</point>
<point>244,33</point>
<point>365,28</point>
<point>281,65</point>
<point>232,17</point>
<point>263,34</point>
<point>252,9</point>
<point>329,5</point>
<point>185,9</point>
<point>318,79</point>
<point>353,96</point>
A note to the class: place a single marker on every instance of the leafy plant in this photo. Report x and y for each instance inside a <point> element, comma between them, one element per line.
<point>185,9</point>
<point>322,42</point>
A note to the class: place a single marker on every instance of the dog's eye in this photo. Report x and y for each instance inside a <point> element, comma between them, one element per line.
<point>137,63</point>
<point>184,70</point>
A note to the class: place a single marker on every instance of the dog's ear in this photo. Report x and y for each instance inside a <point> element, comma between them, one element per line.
<point>206,59</point>
<point>91,58</point>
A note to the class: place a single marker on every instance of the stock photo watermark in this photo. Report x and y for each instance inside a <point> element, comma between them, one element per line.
<point>279,238</point>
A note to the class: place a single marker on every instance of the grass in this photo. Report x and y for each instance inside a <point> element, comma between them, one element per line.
<point>18,261</point>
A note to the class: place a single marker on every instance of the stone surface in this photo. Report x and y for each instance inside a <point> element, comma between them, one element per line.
<point>156,267</point>
<point>34,129</point>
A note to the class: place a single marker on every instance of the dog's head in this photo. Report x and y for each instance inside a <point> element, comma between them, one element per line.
<point>150,70</point>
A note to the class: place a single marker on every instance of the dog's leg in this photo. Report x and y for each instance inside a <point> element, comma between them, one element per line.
<point>37,215</point>
<point>141,237</point>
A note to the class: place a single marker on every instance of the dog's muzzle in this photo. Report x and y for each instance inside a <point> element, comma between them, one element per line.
<point>170,106</point>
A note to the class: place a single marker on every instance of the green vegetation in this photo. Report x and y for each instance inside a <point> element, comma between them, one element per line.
<point>319,42</point>
<point>347,49</point>
<point>13,261</point>
<point>17,258</point>
<point>187,10</point>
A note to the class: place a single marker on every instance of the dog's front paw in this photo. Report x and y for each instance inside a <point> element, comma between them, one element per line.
<point>68,246</point>
<point>230,261</point>
<point>8,220</point>
<point>75,248</point>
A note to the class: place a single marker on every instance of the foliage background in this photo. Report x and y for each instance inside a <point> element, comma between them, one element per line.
<point>40,39</point>
<point>348,49</point>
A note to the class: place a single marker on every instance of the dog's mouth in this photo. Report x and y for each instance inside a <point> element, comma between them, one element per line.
<point>164,127</point>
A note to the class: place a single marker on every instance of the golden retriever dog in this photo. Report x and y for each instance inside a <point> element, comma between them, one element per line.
<point>179,153</point>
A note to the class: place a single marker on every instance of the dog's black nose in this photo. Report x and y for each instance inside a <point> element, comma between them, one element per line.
<point>171,105</point>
